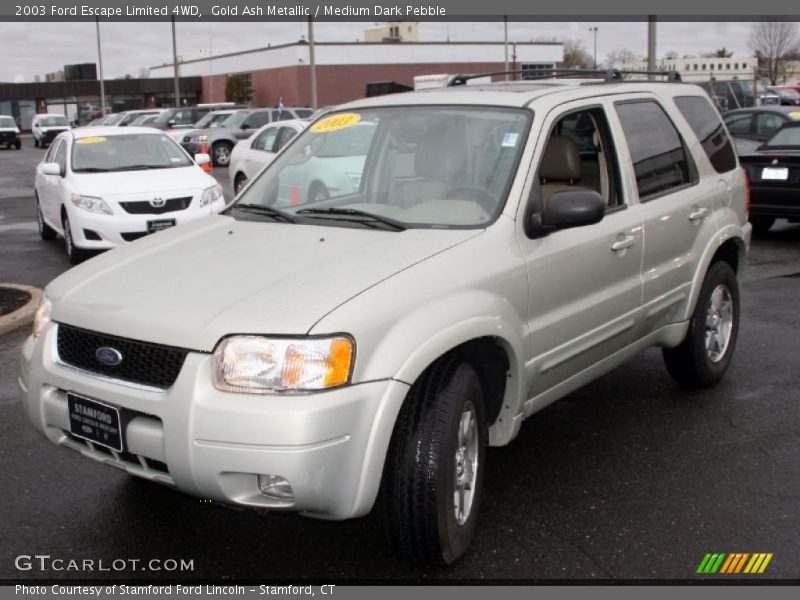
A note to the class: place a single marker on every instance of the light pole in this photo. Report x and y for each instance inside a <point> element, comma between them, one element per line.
<point>312,63</point>
<point>594,31</point>
<point>505,45</point>
<point>175,64</point>
<point>100,60</point>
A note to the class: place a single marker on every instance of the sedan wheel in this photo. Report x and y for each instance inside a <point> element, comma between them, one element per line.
<point>221,154</point>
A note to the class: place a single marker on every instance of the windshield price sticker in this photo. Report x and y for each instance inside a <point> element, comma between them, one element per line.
<point>794,116</point>
<point>91,140</point>
<point>336,122</point>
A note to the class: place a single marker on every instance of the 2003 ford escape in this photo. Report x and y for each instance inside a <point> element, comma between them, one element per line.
<point>504,245</point>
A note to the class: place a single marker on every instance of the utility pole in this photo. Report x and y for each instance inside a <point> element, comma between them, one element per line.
<point>100,61</point>
<point>505,30</point>
<point>651,45</point>
<point>312,63</point>
<point>175,64</point>
<point>594,31</point>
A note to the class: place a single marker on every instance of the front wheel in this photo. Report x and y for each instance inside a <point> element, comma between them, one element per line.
<point>45,231</point>
<point>706,351</point>
<point>239,182</point>
<point>74,254</point>
<point>434,468</point>
<point>221,154</point>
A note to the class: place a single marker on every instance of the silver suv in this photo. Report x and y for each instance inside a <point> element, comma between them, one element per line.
<point>497,247</point>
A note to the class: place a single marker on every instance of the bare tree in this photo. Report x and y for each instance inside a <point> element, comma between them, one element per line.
<point>617,58</point>
<point>774,42</point>
<point>575,55</point>
<point>718,53</point>
<point>670,55</point>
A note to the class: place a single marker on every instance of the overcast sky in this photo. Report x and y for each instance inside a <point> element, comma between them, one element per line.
<point>128,47</point>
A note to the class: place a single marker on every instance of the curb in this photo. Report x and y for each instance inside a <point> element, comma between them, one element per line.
<point>21,316</point>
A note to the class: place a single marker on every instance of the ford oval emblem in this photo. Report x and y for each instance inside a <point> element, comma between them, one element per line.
<point>108,356</point>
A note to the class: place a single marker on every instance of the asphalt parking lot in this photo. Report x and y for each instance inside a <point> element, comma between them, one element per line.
<point>629,477</point>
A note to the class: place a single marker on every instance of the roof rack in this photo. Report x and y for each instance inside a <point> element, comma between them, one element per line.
<point>608,75</point>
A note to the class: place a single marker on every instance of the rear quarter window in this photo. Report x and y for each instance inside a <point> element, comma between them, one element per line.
<point>707,126</point>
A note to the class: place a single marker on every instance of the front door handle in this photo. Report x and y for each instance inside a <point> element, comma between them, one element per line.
<point>623,243</point>
<point>697,214</point>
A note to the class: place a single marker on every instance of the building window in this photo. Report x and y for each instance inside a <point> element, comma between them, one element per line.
<point>531,70</point>
<point>686,68</point>
<point>719,66</point>
<point>712,67</point>
<point>704,67</point>
<point>695,67</point>
<point>736,67</point>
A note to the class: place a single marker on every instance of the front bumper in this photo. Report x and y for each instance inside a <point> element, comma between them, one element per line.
<point>329,446</point>
<point>10,138</point>
<point>123,227</point>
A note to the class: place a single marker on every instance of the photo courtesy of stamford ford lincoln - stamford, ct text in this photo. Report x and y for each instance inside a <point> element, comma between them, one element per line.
<point>435,298</point>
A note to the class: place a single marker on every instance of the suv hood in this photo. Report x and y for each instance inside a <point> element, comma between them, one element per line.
<point>192,285</point>
<point>152,181</point>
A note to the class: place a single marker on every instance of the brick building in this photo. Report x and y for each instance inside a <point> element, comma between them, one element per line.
<point>344,69</point>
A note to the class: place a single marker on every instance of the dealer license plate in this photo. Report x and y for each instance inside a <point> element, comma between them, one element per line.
<point>94,421</point>
<point>779,173</point>
<point>158,225</point>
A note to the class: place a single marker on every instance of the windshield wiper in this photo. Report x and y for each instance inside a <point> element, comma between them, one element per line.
<point>276,214</point>
<point>143,167</point>
<point>361,216</point>
<point>91,170</point>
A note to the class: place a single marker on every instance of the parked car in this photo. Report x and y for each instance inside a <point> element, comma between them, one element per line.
<point>753,126</point>
<point>143,120</point>
<point>186,116</point>
<point>105,186</point>
<point>256,152</point>
<point>240,126</point>
<point>489,259</point>
<point>9,133</point>
<point>45,127</point>
<point>787,96</point>
<point>215,118</point>
<point>129,116</point>
<point>773,169</point>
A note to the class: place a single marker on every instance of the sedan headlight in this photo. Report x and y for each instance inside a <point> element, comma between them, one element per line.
<point>257,365</point>
<point>41,317</point>
<point>211,195</point>
<point>92,204</point>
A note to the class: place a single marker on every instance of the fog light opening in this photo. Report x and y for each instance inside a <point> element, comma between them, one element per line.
<point>275,488</point>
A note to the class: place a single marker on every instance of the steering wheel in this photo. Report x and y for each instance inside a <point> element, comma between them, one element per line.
<point>486,199</point>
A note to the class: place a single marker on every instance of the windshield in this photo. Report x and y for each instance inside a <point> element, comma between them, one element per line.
<point>165,116</point>
<point>135,151</point>
<point>788,136</point>
<point>431,166</point>
<point>113,119</point>
<point>53,121</point>
<point>7,122</point>
<point>212,119</point>
<point>131,117</point>
<point>236,119</point>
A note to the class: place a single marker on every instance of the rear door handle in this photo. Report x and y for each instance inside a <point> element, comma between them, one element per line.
<point>623,243</point>
<point>697,214</point>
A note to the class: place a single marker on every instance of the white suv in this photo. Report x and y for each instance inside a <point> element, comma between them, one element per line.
<point>501,246</point>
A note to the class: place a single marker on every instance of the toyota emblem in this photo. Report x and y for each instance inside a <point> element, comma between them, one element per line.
<point>157,202</point>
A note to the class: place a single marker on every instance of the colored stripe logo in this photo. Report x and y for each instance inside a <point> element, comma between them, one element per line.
<point>736,562</point>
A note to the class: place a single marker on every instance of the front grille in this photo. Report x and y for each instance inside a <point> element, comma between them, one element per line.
<point>125,459</point>
<point>132,236</point>
<point>142,362</point>
<point>7,135</point>
<point>140,207</point>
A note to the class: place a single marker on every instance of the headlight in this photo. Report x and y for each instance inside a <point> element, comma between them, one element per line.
<point>41,317</point>
<point>198,138</point>
<point>255,364</point>
<point>211,195</point>
<point>92,204</point>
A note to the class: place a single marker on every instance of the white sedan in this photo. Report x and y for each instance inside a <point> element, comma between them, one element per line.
<point>256,152</point>
<point>105,186</point>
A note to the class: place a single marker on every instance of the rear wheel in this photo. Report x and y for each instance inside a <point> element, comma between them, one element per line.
<point>18,144</point>
<point>761,225</point>
<point>35,141</point>
<point>706,351</point>
<point>434,469</point>
<point>45,231</point>
<point>221,154</point>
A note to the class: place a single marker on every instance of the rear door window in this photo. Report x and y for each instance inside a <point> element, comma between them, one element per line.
<point>739,123</point>
<point>660,160</point>
<point>766,124</point>
<point>707,126</point>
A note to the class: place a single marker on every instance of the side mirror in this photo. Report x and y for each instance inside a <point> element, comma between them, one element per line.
<point>245,126</point>
<point>202,159</point>
<point>51,168</point>
<point>171,122</point>
<point>567,209</point>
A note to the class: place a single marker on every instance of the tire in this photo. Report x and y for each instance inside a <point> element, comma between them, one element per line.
<point>698,361</point>
<point>221,154</point>
<point>18,145</point>
<point>45,231</point>
<point>317,192</point>
<point>421,473</point>
<point>239,182</point>
<point>74,254</point>
<point>35,142</point>
<point>761,225</point>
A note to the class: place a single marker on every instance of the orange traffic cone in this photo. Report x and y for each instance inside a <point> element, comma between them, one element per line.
<point>294,196</point>
<point>204,150</point>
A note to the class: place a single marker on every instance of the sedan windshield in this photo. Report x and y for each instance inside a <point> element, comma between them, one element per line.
<point>7,122</point>
<point>135,151</point>
<point>212,119</point>
<point>394,167</point>
<point>53,121</point>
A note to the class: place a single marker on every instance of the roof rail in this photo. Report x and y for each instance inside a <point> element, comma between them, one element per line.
<point>608,75</point>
